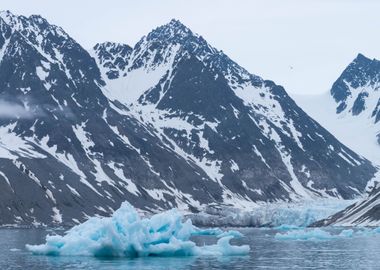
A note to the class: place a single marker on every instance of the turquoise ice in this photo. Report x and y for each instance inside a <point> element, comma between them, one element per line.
<point>125,234</point>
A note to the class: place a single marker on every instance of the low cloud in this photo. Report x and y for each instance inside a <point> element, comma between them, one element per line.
<point>23,109</point>
<point>12,110</point>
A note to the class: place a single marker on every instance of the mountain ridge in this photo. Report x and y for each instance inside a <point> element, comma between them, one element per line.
<point>350,109</point>
<point>351,112</point>
<point>152,97</point>
<point>161,125</point>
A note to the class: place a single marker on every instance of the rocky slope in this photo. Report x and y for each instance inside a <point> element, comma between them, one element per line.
<point>351,112</point>
<point>245,132</point>
<point>363,213</point>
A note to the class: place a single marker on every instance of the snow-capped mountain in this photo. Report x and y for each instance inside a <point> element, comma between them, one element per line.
<point>172,122</point>
<point>246,133</point>
<point>67,152</point>
<point>351,109</point>
<point>351,112</point>
<point>356,88</point>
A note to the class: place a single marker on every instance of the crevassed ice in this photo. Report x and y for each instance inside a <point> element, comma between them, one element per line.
<point>300,214</point>
<point>125,234</point>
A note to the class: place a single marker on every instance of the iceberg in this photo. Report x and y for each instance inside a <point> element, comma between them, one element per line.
<point>125,234</point>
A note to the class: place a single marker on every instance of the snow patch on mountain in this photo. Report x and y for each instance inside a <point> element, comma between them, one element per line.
<point>359,132</point>
<point>349,110</point>
<point>12,145</point>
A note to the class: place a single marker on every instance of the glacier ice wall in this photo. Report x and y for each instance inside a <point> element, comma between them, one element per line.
<point>300,214</point>
<point>125,234</point>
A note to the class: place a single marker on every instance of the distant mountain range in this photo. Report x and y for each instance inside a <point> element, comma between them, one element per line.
<point>171,122</point>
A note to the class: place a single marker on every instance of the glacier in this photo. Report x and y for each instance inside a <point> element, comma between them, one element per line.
<point>299,214</point>
<point>126,234</point>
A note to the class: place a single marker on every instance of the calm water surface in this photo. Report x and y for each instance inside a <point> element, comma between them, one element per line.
<point>266,253</point>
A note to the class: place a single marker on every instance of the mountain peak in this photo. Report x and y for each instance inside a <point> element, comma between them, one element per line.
<point>114,56</point>
<point>165,42</point>
<point>112,46</point>
<point>33,23</point>
<point>172,31</point>
<point>174,23</point>
<point>6,13</point>
<point>358,84</point>
<point>8,17</point>
<point>360,58</point>
<point>38,19</point>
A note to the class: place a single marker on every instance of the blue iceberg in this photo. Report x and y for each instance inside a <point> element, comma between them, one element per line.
<point>125,234</point>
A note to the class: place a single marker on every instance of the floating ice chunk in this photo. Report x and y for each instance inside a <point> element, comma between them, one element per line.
<point>286,227</point>
<point>368,232</point>
<point>319,234</point>
<point>211,231</point>
<point>125,234</point>
<point>230,233</point>
<point>346,233</point>
<point>222,248</point>
<point>306,234</point>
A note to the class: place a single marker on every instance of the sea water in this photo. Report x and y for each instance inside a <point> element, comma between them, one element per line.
<point>267,251</point>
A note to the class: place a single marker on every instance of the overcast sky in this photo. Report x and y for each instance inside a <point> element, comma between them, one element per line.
<point>301,44</point>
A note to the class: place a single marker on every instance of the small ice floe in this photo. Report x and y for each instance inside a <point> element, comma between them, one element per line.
<point>312,234</point>
<point>320,234</point>
<point>125,234</point>
<point>14,249</point>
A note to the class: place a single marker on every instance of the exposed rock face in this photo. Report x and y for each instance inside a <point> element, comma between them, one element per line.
<point>350,110</point>
<point>245,132</point>
<point>356,90</point>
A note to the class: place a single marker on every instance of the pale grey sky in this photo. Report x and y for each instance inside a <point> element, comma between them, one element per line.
<point>302,44</point>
